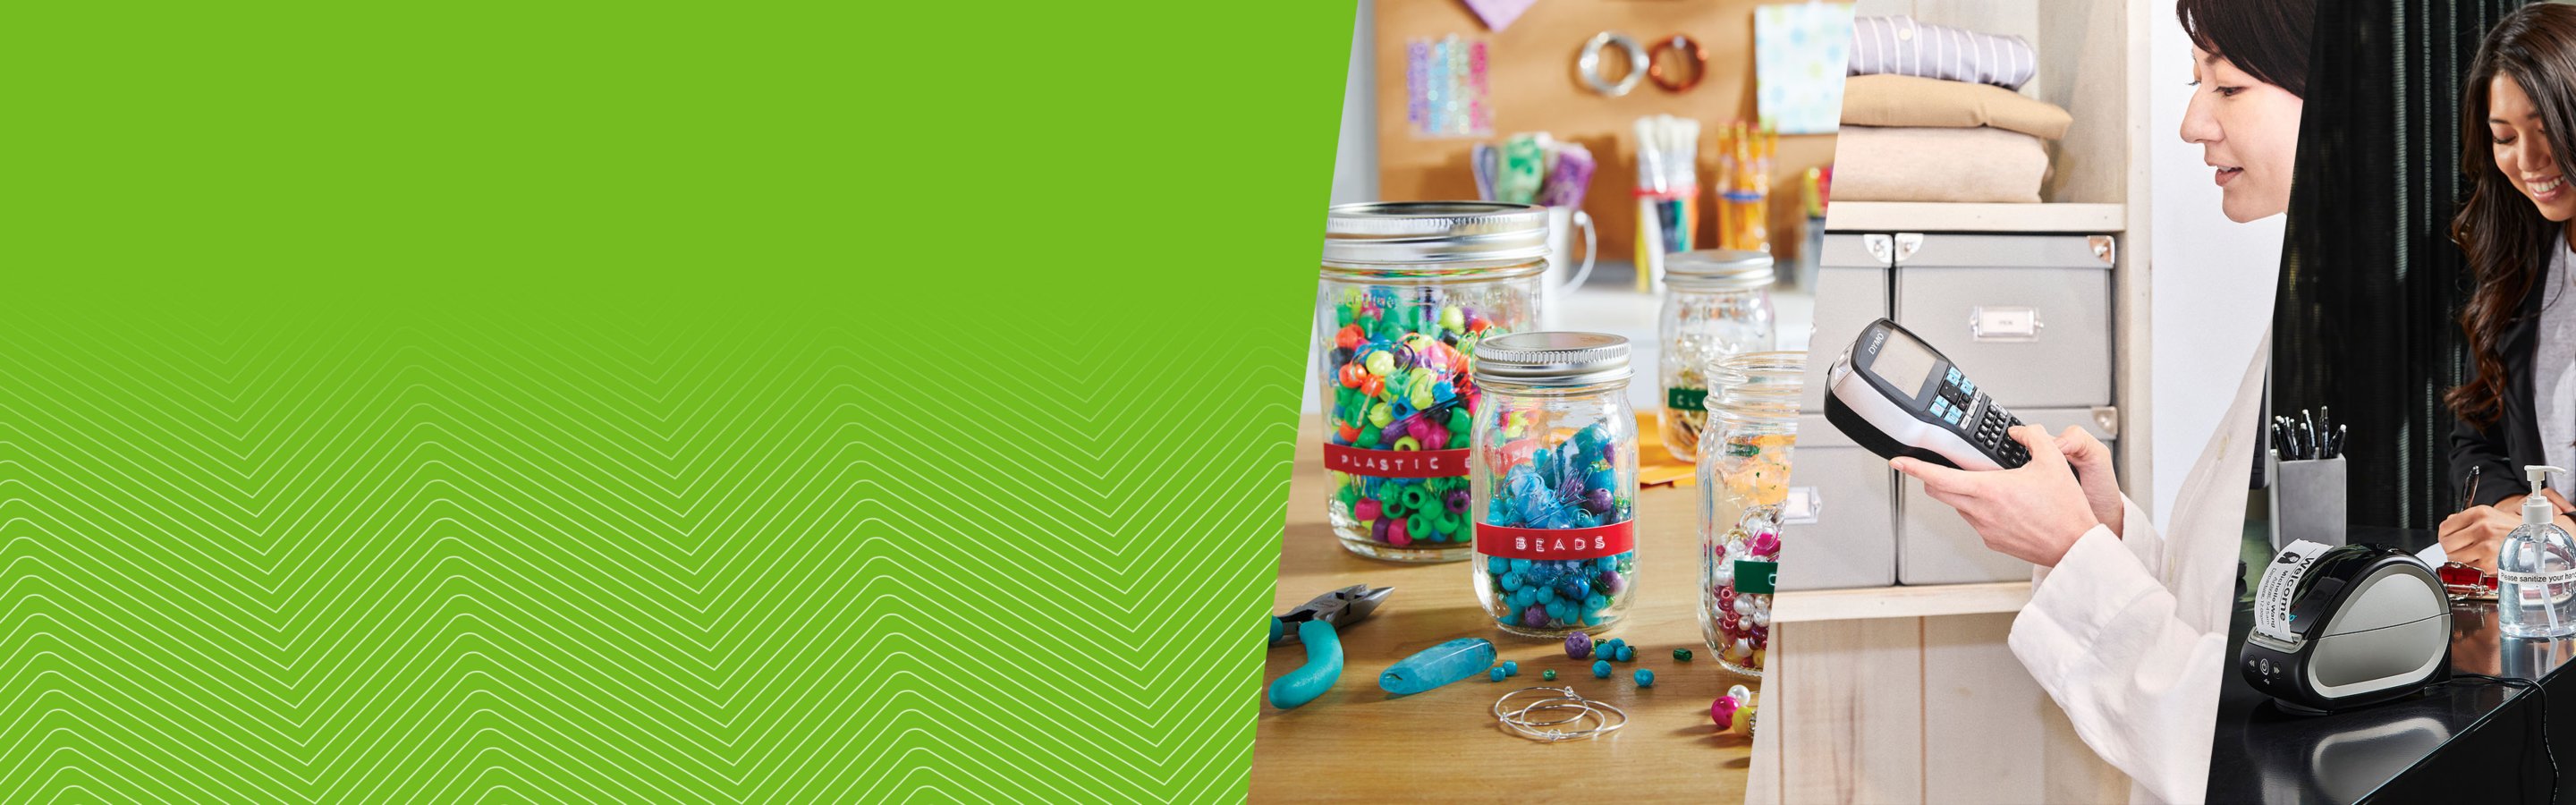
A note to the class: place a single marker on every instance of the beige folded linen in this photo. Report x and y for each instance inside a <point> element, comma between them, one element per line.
<point>1981,164</point>
<point>1904,100</point>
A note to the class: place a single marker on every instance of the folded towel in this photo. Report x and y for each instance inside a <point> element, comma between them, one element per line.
<point>1900,46</point>
<point>1902,100</point>
<point>1981,164</point>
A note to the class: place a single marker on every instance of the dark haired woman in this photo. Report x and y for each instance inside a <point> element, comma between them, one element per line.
<point>2519,406</point>
<point>2127,628</point>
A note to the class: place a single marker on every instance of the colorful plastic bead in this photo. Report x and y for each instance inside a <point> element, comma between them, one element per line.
<point>1682,654</point>
<point>1627,653</point>
<point>1601,669</point>
<point>1645,678</point>
<point>1496,674</point>
<point>1511,668</point>
<point>1577,645</point>
<point>1549,675</point>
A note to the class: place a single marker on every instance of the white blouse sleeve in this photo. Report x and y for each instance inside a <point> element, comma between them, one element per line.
<point>2102,636</point>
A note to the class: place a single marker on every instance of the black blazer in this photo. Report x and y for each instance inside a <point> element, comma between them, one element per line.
<point>2503,447</point>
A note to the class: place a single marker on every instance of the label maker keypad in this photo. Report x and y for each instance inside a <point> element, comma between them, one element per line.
<point>1980,419</point>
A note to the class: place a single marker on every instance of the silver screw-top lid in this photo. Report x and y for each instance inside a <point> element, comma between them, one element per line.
<point>1552,359</point>
<point>1718,270</point>
<point>1426,235</point>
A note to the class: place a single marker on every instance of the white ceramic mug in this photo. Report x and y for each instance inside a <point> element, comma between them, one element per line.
<point>1561,222</point>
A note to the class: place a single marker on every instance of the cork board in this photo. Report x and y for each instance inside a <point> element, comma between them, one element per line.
<point>1534,87</point>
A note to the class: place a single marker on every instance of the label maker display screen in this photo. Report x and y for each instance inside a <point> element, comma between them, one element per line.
<point>1903,363</point>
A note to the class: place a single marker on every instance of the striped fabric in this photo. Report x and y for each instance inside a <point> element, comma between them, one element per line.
<point>1900,46</point>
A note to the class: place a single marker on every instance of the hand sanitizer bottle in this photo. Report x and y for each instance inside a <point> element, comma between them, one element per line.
<point>2536,570</point>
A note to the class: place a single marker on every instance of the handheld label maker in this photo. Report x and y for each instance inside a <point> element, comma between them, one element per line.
<point>2337,627</point>
<point>1896,396</point>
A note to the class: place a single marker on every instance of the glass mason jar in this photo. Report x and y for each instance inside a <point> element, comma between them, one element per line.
<point>1717,304</point>
<point>1409,289</point>
<point>1556,483</point>
<point>1743,481</point>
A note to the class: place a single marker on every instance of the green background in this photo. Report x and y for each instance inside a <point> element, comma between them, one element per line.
<point>509,402</point>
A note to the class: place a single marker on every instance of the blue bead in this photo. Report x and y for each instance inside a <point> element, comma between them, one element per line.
<point>1513,580</point>
<point>1601,669</point>
<point>1627,653</point>
<point>1496,674</point>
<point>1645,678</point>
<point>1511,668</point>
<point>1596,603</point>
<point>1573,589</point>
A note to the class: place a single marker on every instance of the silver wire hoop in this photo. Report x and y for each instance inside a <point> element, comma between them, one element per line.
<point>1589,64</point>
<point>1566,700</point>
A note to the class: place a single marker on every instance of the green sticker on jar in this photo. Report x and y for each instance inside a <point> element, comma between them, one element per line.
<point>1686,399</point>
<point>1755,576</point>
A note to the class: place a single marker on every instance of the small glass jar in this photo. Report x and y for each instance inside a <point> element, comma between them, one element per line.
<point>1743,481</point>
<point>1717,304</point>
<point>1556,483</point>
<point>1409,290</point>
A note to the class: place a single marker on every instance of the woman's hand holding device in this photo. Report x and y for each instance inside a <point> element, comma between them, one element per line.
<point>2034,512</point>
<point>2092,461</point>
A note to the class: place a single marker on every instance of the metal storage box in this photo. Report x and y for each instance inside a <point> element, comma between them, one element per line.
<point>2028,316</point>
<point>1848,538</point>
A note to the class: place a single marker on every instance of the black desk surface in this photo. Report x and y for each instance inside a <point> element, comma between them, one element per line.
<point>2465,741</point>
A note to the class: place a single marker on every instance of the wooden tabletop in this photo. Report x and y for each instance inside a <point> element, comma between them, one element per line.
<point>1359,742</point>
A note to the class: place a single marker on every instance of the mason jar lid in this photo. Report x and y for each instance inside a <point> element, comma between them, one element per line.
<point>1719,269</point>
<point>1430,234</point>
<point>1552,359</point>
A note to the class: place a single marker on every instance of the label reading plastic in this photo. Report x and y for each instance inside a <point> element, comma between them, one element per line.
<point>1686,399</point>
<point>1396,463</point>
<point>2280,585</point>
<point>1753,576</point>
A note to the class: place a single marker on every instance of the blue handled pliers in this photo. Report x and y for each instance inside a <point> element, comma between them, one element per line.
<point>1341,608</point>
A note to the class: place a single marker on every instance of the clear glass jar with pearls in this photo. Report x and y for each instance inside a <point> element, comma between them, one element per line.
<point>1743,483</point>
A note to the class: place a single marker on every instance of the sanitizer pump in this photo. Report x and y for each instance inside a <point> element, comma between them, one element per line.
<point>2536,569</point>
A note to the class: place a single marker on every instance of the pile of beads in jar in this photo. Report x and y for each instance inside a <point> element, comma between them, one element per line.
<point>1569,484</point>
<point>1747,469</point>
<point>1402,388</point>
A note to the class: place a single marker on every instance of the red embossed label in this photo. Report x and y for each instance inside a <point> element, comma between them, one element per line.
<point>1396,463</point>
<point>1557,543</point>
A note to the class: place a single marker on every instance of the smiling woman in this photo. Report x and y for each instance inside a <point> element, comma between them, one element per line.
<point>2519,404</point>
<point>2249,78</point>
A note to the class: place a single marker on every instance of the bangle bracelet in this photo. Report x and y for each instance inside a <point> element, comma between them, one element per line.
<point>1589,65</point>
<point>1685,48</point>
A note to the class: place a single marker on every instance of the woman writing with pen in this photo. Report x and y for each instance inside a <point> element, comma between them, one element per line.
<point>2519,405</point>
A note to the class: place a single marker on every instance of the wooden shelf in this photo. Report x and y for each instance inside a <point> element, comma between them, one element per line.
<point>1900,602</point>
<point>1918,216</point>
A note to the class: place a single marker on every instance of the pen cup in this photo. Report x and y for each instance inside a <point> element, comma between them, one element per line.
<point>2308,501</point>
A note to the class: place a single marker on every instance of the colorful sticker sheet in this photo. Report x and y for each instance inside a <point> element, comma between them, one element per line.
<point>1444,82</point>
